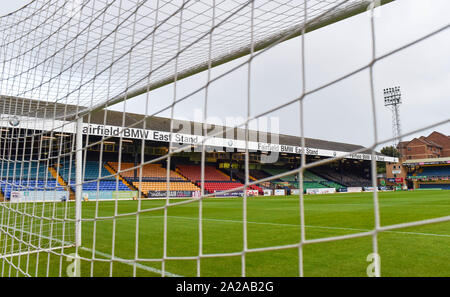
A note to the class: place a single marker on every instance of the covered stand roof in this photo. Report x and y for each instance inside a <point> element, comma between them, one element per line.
<point>21,108</point>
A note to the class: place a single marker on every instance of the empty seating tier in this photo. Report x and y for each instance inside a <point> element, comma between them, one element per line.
<point>312,185</point>
<point>310,179</point>
<point>435,186</point>
<point>31,185</point>
<point>24,170</point>
<point>105,185</point>
<point>193,172</point>
<point>289,178</point>
<point>221,186</point>
<point>162,186</point>
<point>345,178</point>
<point>258,174</point>
<point>92,170</point>
<point>149,172</point>
<point>436,171</point>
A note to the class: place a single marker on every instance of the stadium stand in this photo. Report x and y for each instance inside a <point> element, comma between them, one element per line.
<point>153,172</point>
<point>289,178</point>
<point>344,178</point>
<point>240,175</point>
<point>162,186</point>
<point>211,187</point>
<point>32,185</point>
<point>153,178</point>
<point>313,185</point>
<point>104,185</point>
<point>436,171</point>
<point>310,180</point>
<point>193,173</point>
<point>431,177</point>
<point>25,170</point>
<point>27,176</point>
<point>92,172</point>
<point>306,185</point>
<point>258,174</point>
<point>435,186</point>
<point>331,184</point>
<point>215,180</point>
<point>186,177</point>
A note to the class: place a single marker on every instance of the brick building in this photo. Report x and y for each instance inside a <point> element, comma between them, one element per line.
<point>443,141</point>
<point>435,145</point>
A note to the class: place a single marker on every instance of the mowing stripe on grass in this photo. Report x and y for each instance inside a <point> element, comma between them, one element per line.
<point>70,244</point>
<point>297,226</point>
<point>129,262</point>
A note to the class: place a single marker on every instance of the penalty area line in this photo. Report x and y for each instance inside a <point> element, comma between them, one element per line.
<point>67,244</point>
<point>138,265</point>
<point>308,226</point>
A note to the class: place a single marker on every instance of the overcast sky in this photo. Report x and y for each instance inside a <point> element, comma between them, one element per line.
<point>341,112</point>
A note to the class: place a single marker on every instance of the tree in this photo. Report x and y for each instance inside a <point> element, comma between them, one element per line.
<point>390,151</point>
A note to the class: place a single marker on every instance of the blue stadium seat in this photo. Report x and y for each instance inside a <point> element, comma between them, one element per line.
<point>436,171</point>
<point>32,185</point>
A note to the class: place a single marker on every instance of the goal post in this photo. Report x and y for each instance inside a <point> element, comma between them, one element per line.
<point>79,180</point>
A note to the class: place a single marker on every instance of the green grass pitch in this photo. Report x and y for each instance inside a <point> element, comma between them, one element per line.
<point>272,221</point>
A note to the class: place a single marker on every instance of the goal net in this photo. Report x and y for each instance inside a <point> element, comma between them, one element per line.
<point>87,186</point>
<point>36,215</point>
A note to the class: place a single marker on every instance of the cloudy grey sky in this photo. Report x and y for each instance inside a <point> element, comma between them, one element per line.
<point>341,112</point>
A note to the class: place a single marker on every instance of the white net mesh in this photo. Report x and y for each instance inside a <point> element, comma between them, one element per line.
<point>82,50</point>
<point>65,62</point>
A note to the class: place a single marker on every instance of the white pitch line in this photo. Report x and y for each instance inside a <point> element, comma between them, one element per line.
<point>309,226</point>
<point>138,265</point>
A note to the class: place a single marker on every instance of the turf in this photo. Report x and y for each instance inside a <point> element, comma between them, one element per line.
<point>271,221</point>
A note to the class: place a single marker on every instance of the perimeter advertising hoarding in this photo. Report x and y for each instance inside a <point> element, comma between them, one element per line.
<point>268,192</point>
<point>295,191</point>
<point>354,189</point>
<point>369,189</point>
<point>39,196</point>
<point>321,191</point>
<point>156,194</point>
<point>231,194</point>
<point>252,193</point>
<point>412,177</point>
<point>109,195</point>
<point>279,192</point>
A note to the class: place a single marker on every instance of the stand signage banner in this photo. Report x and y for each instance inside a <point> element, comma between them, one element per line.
<point>186,139</point>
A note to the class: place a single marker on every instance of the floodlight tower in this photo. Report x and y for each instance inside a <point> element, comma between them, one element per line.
<point>392,100</point>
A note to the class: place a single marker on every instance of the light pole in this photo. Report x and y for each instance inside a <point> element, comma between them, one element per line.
<point>392,100</point>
